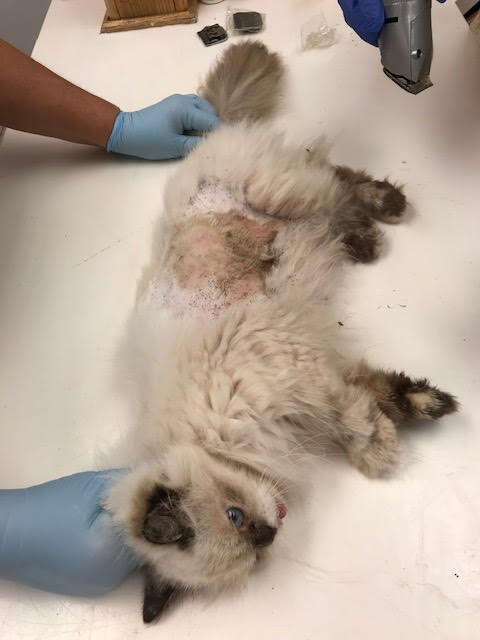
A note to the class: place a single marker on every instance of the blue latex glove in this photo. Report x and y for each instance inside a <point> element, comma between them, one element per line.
<point>56,536</point>
<point>163,130</point>
<point>366,17</point>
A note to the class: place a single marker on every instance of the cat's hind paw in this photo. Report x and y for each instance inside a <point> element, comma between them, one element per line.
<point>385,201</point>
<point>428,402</point>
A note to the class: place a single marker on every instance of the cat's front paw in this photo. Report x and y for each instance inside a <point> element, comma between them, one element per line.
<point>374,453</point>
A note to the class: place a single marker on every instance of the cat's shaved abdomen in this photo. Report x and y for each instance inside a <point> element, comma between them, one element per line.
<point>222,257</point>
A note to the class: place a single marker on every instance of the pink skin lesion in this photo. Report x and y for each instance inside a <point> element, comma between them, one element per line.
<point>225,253</point>
<point>203,257</point>
<point>245,287</point>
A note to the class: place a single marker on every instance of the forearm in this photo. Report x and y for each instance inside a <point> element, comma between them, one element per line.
<point>34,99</point>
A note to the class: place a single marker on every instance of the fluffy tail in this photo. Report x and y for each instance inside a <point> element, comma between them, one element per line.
<point>246,83</point>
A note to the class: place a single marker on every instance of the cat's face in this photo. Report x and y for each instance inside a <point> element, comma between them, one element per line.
<point>196,521</point>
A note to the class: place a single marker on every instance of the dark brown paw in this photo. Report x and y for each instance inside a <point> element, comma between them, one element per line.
<point>418,398</point>
<point>363,243</point>
<point>429,402</point>
<point>385,201</point>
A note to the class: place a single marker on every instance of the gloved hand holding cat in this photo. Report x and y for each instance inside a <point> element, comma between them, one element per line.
<point>57,536</point>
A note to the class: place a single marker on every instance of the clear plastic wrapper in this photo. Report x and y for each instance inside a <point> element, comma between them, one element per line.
<point>316,33</point>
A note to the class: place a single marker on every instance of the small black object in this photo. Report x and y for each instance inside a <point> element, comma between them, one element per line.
<point>248,21</point>
<point>212,34</point>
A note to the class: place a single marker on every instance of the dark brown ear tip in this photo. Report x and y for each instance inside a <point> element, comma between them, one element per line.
<point>157,599</point>
<point>149,613</point>
<point>161,527</point>
<point>165,522</point>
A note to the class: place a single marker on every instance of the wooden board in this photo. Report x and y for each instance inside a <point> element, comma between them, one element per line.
<point>112,11</point>
<point>186,15</point>
<point>118,9</point>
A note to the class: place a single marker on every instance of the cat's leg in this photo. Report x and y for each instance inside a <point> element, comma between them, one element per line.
<point>400,397</point>
<point>359,407</point>
<point>365,201</point>
<point>282,183</point>
<point>300,191</point>
<point>362,200</point>
<point>383,200</point>
<point>301,184</point>
<point>298,184</point>
<point>319,399</point>
<point>370,406</point>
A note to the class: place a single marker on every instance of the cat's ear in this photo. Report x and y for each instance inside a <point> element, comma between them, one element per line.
<point>162,527</point>
<point>165,522</point>
<point>157,597</point>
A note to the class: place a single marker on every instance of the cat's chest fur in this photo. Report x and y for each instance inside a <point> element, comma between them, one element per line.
<point>218,254</point>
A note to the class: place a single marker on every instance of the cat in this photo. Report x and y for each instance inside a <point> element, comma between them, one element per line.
<point>230,349</point>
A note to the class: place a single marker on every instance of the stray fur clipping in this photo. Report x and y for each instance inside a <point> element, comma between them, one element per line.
<point>230,357</point>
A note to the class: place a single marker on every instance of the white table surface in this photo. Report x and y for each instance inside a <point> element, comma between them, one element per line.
<point>361,560</point>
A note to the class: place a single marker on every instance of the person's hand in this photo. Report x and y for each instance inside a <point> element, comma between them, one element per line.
<point>365,17</point>
<point>57,536</point>
<point>164,130</point>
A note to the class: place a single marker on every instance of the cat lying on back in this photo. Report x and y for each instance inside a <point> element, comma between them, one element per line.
<point>231,347</point>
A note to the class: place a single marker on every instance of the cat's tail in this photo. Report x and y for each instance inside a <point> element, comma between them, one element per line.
<point>246,83</point>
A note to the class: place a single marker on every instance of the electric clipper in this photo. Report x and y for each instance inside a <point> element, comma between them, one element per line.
<point>405,43</point>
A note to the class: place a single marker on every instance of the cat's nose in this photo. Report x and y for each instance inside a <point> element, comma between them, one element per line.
<point>262,534</point>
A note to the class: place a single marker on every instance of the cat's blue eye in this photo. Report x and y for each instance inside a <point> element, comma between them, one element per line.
<point>235,516</point>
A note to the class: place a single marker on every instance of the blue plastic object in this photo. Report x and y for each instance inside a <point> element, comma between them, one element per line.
<point>164,130</point>
<point>365,17</point>
<point>56,536</point>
